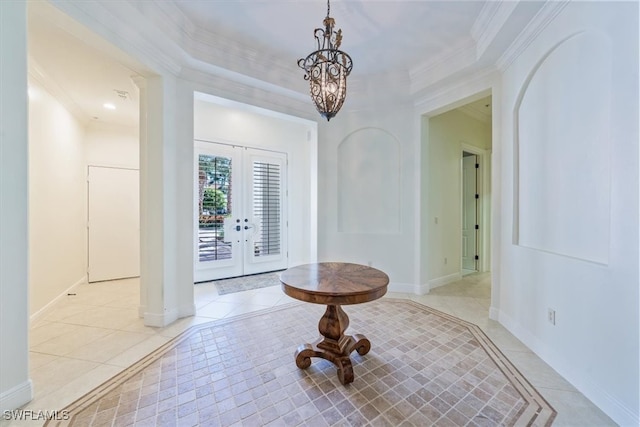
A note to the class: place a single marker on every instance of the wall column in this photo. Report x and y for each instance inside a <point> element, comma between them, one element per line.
<point>15,385</point>
<point>158,258</point>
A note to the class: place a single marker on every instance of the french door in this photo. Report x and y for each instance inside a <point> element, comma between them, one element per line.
<point>240,205</point>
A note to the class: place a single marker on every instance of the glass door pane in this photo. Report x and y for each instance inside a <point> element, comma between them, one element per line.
<point>214,174</point>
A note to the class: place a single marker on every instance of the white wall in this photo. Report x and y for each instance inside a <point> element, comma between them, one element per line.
<point>57,199</point>
<point>569,229</point>
<point>15,385</point>
<point>447,134</point>
<point>112,146</point>
<point>60,149</point>
<point>387,203</point>
<point>237,124</point>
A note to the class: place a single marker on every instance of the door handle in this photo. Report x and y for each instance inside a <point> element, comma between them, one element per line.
<point>246,227</point>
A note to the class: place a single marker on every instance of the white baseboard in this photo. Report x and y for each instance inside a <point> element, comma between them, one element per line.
<point>444,280</point>
<point>187,310</point>
<point>582,381</point>
<point>40,313</point>
<point>160,320</point>
<point>16,396</point>
<point>407,288</point>
<point>421,289</point>
<point>494,313</point>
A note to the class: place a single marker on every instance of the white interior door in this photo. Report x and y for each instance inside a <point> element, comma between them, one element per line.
<point>113,223</point>
<point>240,205</point>
<point>469,213</point>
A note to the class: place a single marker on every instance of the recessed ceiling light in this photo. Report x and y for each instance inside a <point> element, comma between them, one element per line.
<point>109,106</point>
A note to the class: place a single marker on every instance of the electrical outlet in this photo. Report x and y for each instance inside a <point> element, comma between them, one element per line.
<point>551,316</point>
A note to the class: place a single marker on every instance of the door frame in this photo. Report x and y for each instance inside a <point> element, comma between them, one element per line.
<point>484,206</point>
<point>239,153</point>
<point>476,210</point>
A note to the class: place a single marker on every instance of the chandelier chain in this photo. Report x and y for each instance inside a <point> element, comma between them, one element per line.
<point>328,9</point>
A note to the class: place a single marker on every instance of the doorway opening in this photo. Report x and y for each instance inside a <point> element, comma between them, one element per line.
<point>84,124</point>
<point>241,207</point>
<point>458,141</point>
<point>254,197</point>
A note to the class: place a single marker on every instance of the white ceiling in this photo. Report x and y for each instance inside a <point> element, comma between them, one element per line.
<point>380,36</point>
<point>423,41</point>
<point>80,69</point>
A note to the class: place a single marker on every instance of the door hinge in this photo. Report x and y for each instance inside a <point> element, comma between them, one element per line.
<point>477,196</point>
<point>477,165</point>
<point>477,257</point>
<point>477,227</point>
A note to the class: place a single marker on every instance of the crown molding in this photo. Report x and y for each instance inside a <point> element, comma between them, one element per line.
<point>379,92</point>
<point>128,29</point>
<point>488,11</point>
<point>443,66</point>
<point>36,72</point>
<point>475,85</point>
<point>203,45</point>
<point>168,16</point>
<point>199,43</point>
<point>166,37</point>
<point>544,17</point>
<point>226,53</point>
<point>492,18</point>
<point>248,81</point>
<point>250,91</point>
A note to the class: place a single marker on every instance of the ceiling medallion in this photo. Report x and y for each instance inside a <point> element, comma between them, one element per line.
<point>327,69</point>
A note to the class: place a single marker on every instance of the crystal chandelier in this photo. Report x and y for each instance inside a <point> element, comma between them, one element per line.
<point>327,69</point>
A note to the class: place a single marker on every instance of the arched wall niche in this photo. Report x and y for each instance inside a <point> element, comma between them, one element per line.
<point>369,177</point>
<point>562,171</point>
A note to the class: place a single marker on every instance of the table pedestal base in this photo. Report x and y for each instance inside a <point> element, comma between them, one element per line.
<point>334,345</point>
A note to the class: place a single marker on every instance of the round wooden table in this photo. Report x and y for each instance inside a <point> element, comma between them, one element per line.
<point>334,284</point>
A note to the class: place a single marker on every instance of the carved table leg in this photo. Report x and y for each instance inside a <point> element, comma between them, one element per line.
<point>334,345</point>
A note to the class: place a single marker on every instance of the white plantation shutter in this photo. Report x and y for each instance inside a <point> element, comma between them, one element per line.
<point>267,204</point>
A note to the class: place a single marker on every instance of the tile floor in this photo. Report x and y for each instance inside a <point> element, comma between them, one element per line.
<point>240,372</point>
<point>90,337</point>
